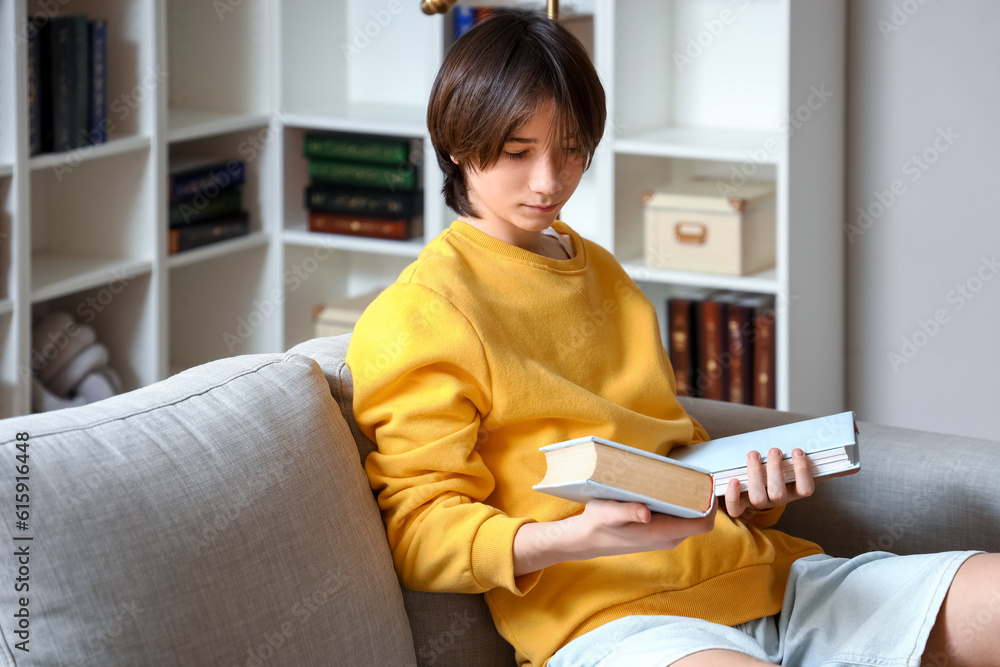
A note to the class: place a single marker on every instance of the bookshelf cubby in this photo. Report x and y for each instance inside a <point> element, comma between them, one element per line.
<point>694,88</point>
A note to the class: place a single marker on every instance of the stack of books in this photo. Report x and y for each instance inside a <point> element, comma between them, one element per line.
<point>364,185</point>
<point>206,203</point>
<point>67,82</point>
<point>721,345</point>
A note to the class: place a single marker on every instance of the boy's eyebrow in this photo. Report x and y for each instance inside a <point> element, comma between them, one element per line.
<point>521,140</point>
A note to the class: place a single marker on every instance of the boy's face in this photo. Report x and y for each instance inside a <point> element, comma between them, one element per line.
<point>522,193</point>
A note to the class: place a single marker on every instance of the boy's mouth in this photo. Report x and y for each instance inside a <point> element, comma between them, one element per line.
<point>543,209</point>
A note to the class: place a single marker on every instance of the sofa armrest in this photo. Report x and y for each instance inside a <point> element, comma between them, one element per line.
<point>916,491</point>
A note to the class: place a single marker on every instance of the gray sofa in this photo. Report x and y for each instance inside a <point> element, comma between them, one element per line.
<point>222,517</point>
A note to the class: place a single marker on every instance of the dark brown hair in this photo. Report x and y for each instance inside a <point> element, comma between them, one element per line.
<point>494,79</point>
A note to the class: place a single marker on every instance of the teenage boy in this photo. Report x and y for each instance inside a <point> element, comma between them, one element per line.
<point>510,332</point>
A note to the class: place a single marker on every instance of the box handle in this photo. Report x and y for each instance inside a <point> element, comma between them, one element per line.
<point>688,231</point>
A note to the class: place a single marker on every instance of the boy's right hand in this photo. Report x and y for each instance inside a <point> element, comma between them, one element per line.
<point>604,528</point>
<point>611,528</point>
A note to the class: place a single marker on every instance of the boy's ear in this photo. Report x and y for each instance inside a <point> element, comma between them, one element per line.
<point>453,158</point>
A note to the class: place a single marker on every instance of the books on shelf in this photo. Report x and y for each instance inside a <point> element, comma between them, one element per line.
<point>395,229</point>
<point>67,82</point>
<point>206,203</point>
<point>685,483</point>
<point>721,346</point>
<point>189,237</point>
<point>364,185</point>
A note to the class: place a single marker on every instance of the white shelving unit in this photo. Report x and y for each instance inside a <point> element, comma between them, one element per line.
<point>85,230</point>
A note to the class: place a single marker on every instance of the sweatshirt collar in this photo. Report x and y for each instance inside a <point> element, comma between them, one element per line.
<point>513,253</point>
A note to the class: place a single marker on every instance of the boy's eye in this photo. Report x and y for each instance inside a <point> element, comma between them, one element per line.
<point>514,156</point>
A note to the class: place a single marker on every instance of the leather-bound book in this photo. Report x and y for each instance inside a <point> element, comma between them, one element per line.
<point>712,376</point>
<point>680,343</point>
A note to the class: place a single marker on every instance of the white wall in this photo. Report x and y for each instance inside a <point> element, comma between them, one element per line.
<point>924,81</point>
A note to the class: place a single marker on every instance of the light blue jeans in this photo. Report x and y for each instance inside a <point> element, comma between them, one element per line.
<point>876,610</point>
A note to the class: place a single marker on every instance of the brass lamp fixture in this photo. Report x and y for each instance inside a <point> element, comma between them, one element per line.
<point>442,7</point>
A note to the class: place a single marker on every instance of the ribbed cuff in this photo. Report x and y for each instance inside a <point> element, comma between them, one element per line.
<point>493,556</point>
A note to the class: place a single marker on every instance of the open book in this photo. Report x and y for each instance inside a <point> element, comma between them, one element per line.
<point>685,483</point>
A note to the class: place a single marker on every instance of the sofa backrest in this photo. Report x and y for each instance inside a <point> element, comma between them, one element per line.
<point>449,629</point>
<point>216,518</point>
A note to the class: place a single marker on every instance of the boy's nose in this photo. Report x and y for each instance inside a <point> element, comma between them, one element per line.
<point>546,176</point>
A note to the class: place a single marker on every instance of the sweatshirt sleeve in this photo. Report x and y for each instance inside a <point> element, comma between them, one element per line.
<point>421,385</point>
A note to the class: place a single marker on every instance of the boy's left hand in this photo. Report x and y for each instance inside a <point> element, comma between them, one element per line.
<point>765,491</point>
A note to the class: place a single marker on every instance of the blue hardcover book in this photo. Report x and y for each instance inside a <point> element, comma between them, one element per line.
<point>206,179</point>
<point>465,18</point>
<point>97,120</point>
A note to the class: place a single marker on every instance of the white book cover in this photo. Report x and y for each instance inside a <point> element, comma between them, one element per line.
<point>836,434</point>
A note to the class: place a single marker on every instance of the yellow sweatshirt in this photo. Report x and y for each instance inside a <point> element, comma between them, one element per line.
<point>482,352</point>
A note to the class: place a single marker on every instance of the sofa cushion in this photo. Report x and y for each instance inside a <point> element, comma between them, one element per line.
<point>331,354</point>
<point>216,518</point>
<point>449,629</point>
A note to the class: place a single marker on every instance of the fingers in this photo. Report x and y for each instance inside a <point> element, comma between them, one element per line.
<point>756,485</point>
<point>777,491</point>
<point>804,482</point>
<point>734,499</point>
<point>616,513</point>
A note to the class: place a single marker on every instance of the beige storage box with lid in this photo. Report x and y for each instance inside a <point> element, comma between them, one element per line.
<point>691,226</point>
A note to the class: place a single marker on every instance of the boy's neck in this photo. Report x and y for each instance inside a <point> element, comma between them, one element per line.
<point>525,239</point>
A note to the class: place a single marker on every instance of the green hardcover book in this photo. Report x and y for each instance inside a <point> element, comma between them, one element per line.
<point>202,208</point>
<point>361,148</point>
<point>402,176</point>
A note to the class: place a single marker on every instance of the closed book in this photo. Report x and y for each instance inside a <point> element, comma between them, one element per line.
<point>201,208</point>
<point>37,28</point>
<point>680,343</point>
<point>97,95</point>
<point>362,201</point>
<point>361,148</point>
<point>196,236</point>
<point>764,385</point>
<point>403,176</point>
<point>583,469</point>
<point>465,18</point>
<point>739,323</point>
<point>205,178</point>
<point>80,133</point>
<point>396,229</point>
<point>712,374</point>
<point>831,443</point>
<point>62,73</point>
